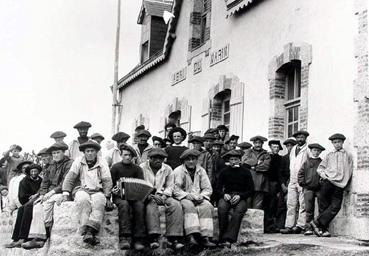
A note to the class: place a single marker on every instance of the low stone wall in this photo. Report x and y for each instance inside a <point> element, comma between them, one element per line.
<point>66,240</point>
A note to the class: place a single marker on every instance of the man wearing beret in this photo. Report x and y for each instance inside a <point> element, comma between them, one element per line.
<point>137,130</point>
<point>127,169</point>
<point>46,158</point>
<point>177,135</point>
<point>192,187</point>
<point>82,128</point>
<point>309,179</point>
<point>235,186</point>
<point>295,223</point>
<point>50,192</point>
<point>258,160</point>
<point>231,143</point>
<point>222,131</point>
<point>158,142</point>
<point>114,155</point>
<point>89,182</point>
<point>142,147</point>
<point>12,158</point>
<point>335,171</point>
<point>58,136</point>
<point>97,137</point>
<point>160,175</point>
<point>218,164</point>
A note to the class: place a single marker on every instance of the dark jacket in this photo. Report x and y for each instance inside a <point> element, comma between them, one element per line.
<point>274,173</point>
<point>54,176</point>
<point>285,169</point>
<point>174,152</point>
<point>307,176</point>
<point>27,188</point>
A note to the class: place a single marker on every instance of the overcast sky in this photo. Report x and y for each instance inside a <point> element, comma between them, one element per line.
<point>56,66</point>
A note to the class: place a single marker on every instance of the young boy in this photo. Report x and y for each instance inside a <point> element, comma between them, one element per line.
<point>308,178</point>
<point>4,201</point>
<point>335,172</point>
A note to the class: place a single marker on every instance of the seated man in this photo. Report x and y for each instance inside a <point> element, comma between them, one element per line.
<point>28,188</point>
<point>92,176</point>
<point>235,185</point>
<point>127,169</point>
<point>160,175</point>
<point>50,193</point>
<point>192,187</point>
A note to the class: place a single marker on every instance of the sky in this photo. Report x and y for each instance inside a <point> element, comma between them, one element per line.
<point>56,66</point>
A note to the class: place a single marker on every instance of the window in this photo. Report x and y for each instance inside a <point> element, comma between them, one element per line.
<point>221,108</point>
<point>145,51</point>
<point>199,25</point>
<point>226,113</point>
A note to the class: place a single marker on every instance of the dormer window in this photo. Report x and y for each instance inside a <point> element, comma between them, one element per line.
<point>145,51</point>
<point>199,24</point>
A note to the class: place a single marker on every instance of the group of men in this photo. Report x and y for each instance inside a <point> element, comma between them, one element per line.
<point>189,180</point>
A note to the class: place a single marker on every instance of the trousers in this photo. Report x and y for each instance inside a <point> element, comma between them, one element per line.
<point>198,218</point>
<point>23,222</point>
<point>310,196</point>
<point>295,206</point>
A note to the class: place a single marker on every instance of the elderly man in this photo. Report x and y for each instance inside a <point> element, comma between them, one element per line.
<point>12,158</point>
<point>161,177</point>
<point>192,187</point>
<point>142,147</point>
<point>114,156</point>
<point>177,135</point>
<point>58,136</point>
<point>295,219</point>
<point>82,128</point>
<point>258,160</point>
<point>92,176</point>
<point>50,193</point>
<point>127,169</point>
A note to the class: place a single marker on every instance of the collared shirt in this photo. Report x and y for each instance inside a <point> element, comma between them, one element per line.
<point>141,158</point>
<point>297,160</point>
<point>337,167</point>
<point>184,185</point>
<point>162,181</point>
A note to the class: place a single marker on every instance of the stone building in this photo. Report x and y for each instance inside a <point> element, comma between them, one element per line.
<point>265,67</point>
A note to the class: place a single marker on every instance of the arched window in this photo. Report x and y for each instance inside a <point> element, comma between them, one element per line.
<point>222,107</point>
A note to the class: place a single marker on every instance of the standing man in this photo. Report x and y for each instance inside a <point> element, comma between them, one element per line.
<point>82,128</point>
<point>258,160</point>
<point>222,131</point>
<point>12,158</point>
<point>142,147</point>
<point>161,177</point>
<point>97,137</point>
<point>295,223</point>
<point>92,193</point>
<point>158,142</point>
<point>177,135</point>
<point>114,155</point>
<point>231,143</point>
<point>208,140</point>
<point>58,136</point>
<point>168,127</point>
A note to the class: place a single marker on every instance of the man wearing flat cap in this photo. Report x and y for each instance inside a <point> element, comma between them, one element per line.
<point>232,142</point>
<point>97,137</point>
<point>113,155</point>
<point>92,191</point>
<point>46,158</point>
<point>192,187</point>
<point>160,175</point>
<point>295,223</point>
<point>142,147</point>
<point>158,142</point>
<point>177,135</point>
<point>137,130</point>
<point>218,164</point>
<point>222,131</point>
<point>126,168</point>
<point>58,136</point>
<point>258,160</point>
<point>50,193</point>
<point>12,158</point>
<point>82,128</point>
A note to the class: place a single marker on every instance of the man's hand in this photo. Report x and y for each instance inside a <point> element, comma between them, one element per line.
<point>115,190</point>
<point>38,200</point>
<point>48,195</point>
<point>33,197</point>
<point>109,206</point>
<point>227,197</point>
<point>235,199</point>
<point>199,199</point>
<point>65,198</point>
<point>190,197</point>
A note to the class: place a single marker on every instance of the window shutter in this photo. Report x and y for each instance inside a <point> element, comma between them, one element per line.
<point>195,39</point>
<point>162,125</point>
<point>237,100</point>
<point>185,122</point>
<point>205,115</point>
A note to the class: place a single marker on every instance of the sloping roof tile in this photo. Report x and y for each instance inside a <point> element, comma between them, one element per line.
<point>154,8</point>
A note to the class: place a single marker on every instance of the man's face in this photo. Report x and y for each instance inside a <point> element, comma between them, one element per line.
<point>156,161</point>
<point>90,154</point>
<point>197,145</point>
<point>156,144</point>
<point>4,192</point>
<point>83,132</point>
<point>46,158</point>
<point>216,148</point>
<point>190,162</point>
<point>289,146</point>
<point>301,139</point>
<point>61,139</point>
<point>208,143</point>
<point>258,144</point>
<point>216,135</point>
<point>234,161</point>
<point>168,143</point>
<point>142,140</point>
<point>222,133</point>
<point>15,152</point>
<point>58,155</point>
<point>274,148</point>
<point>24,167</point>
<point>126,156</point>
<point>232,144</point>
<point>177,138</point>
<point>337,144</point>
<point>33,173</point>
<point>315,152</point>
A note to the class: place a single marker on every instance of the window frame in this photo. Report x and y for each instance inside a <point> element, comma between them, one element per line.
<point>226,98</point>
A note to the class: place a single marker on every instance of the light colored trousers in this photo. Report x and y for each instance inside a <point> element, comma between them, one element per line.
<point>199,218</point>
<point>296,215</point>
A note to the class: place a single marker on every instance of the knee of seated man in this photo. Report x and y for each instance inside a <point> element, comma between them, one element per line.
<point>187,204</point>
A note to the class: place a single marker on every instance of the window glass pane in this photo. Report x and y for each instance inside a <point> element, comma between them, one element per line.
<point>298,82</point>
<point>296,127</point>
<point>290,132</point>
<point>290,86</point>
<point>226,106</point>
<point>295,113</point>
<point>290,115</point>
<point>227,118</point>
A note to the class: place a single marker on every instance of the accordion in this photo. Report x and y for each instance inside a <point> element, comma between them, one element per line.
<point>134,189</point>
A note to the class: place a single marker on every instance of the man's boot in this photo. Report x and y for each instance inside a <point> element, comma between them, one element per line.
<point>88,237</point>
<point>48,232</point>
<point>124,243</point>
<point>138,245</point>
<point>191,240</point>
<point>32,244</point>
<point>206,242</point>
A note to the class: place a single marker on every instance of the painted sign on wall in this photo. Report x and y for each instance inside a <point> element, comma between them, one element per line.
<point>197,66</point>
<point>219,55</point>
<point>179,76</point>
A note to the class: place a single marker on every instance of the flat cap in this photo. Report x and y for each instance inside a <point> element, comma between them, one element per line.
<point>195,139</point>
<point>301,132</point>
<point>233,137</point>
<point>43,151</point>
<point>275,142</point>
<point>33,166</point>
<point>19,166</point>
<point>89,144</point>
<point>208,136</point>
<point>316,145</point>
<point>157,152</point>
<point>211,130</point>
<point>58,134</point>
<point>57,146</point>
<point>82,124</point>
<point>143,133</point>
<point>222,127</point>
<point>244,145</point>
<point>290,141</point>
<point>139,128</point>
<point>258,137</point>
<point>189,152</point>
<point>169,125</point>
<point>156,138</point>
<point>127,147</point>
<point>233,152</point>
<point>97,135</point>
<point>177,129</point>
<point>337,136</point>
<point>120,136</point>
<point>218,142</point>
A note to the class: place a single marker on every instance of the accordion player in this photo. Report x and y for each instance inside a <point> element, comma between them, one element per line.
<point>133,189</point>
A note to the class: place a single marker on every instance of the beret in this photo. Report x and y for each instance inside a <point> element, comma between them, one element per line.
<point>82,124</point>
<point>19,166</point>
<point>18,147</point>
<point>143,133</point>
<point>316,145</point>
<point>33,166</point>
<point>120,136</point>
<point>89,144</point>
<point>97,135</point>
<point>211,130</point>
<point>57,146</point>
<point>337,136</point>
<point>233,152</point>
<point>127,147</point>
<point>189,152</point>
<point>218,142</point>
<point>244,145</point>
<point>196,139</point>
<point>2,187</point>
<point>258,137</point>
<point>58,134</point>
<point>157,152</point>
<point>156,138</point>
<point>139,128</point>
<point>208,136</point>
<point>177,129</point>
<point>301,132</point>
<point>275,142</point>
<point>222,127</point>
<point>43,151</point>
<point>233,137</point>
<point>169,125</point>
<point>289,141</point>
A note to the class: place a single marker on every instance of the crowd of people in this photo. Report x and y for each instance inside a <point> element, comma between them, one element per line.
<point>189,180</point>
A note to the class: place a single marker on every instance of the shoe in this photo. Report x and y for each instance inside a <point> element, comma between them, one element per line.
<point>88,238</point>
<point>191,240</point>
<point>206,242</point>
<point>315,228</point>
<point>95,240</point>
<point>138,246</point>
<point>154,244</point>
<point>13,244</point>
<point>33,244</point>
<point>308,233</point>
<point>124,244</point>
<point>297,230</point>
<point>286,231</point>
<point>225,244</point>
<point>326,234</point>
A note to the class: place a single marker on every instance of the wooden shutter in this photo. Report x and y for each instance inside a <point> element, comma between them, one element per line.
<point>236,104</point>
<point>185,122</point>
<point>205,115</point>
